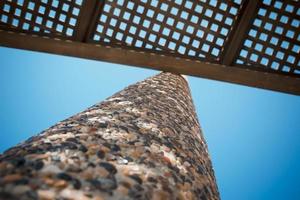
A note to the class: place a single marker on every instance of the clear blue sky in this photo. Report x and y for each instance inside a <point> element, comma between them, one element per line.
<point>253,135</point>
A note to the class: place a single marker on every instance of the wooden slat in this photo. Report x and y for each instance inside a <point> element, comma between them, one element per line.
<point>87,12</point>
<point>240,32</point>
<point>93,21</point>
<point>161,62</point>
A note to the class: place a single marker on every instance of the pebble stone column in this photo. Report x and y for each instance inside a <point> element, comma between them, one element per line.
<point>144,142</point>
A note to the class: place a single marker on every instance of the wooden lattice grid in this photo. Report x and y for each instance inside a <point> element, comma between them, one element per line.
<point>50,17</point>
<point>248,42</point>
<point>273,40</point>
<point>190,28</point>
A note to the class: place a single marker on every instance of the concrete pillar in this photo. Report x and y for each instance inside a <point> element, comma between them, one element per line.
<point>142,143</point>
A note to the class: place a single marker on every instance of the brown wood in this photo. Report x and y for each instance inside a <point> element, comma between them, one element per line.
<point>161,62</point>
<point>240,31</point>
<point>87,13</point>
<point>51,18</point>
<point>259,37</point>
<point>186,30</point>
<point>273,39</point>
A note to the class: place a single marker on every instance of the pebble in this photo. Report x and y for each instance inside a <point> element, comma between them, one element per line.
<point>102,172</point>
<point>11,178</point>
<point>21,189</point>
<point>36,156</point>
<point>71,139</point>
<point>46,194</point>
<point>76,183</point>
<point>115,148</point>
<point>136,178</point>
<point>100,154</point>
<point>60,184</point>
<point>105,149</point>
<point>131,137</point>
<point>64,176</point>
<point>186,164</point>
<point>111,157</point>
<point>52,169</point>
<point>92,130</point>
<point>18,162</point>
<point>37,165</point>
<point>160,195</point>
<point>60,136</point>
<point>49,181</point>
<point>122,161</point>
<point>69,145</point>
<point>103,124</point>
<point>87,174</point>
<point>129,159</point>
<point>3,166</point>
<point>73,194</point>
<point>166,149</point>
<point>109,167</point>
<point>139,144</point>
<point>82,148</point>
<point>166,160</point>
<point>105,184</point>
<point>122,190</point>
<point>84,130</point>
<point>154,148</point>
<point>137,152</point>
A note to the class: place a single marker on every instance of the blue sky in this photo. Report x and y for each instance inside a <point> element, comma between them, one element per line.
<point>253,135</point>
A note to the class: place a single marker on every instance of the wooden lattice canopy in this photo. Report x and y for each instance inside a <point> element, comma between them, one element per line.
<point>250,42</point>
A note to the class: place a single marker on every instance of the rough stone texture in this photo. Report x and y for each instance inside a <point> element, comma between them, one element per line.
<point>142,143</point>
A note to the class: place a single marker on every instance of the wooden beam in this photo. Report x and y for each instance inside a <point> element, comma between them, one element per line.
<point>161,62</point>
<point>239,32</point>
<point>87,13</point>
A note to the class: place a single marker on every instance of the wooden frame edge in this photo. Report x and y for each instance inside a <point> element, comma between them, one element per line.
<point>265,80</point>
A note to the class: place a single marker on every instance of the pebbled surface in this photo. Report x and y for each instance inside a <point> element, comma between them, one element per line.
<point>144,142</point>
